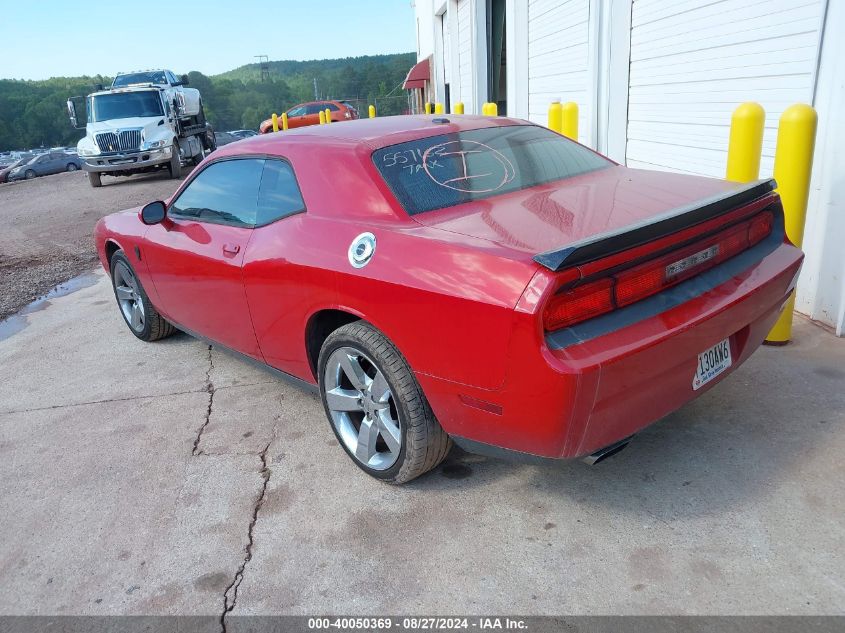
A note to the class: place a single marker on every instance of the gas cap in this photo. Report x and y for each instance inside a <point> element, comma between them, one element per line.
<point>362,249</point>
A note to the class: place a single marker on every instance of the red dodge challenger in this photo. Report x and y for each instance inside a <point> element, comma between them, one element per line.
<point>471,279</point>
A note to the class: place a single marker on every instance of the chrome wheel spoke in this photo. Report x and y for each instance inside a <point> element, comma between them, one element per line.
<point>389,430</point>
<point>340,399</point>
<point>351,366</point>
<point>367,438</point>
<point>379,389</point>
<point>125,293</point>
<point>137,321</point>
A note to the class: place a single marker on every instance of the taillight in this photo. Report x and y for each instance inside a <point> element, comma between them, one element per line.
<point>634,284</point>
<point>579,304</point>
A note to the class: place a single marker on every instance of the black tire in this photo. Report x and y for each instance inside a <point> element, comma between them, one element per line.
<point>72,167</point>
<point>94,179</point>
<point>196,160</point>
<point>175,165</point>
<point>424,442</point>
<point>30,174</point>
<point>155,326</point>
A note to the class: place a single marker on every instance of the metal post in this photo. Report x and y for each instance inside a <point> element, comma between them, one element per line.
<point>555,116</point>
<point>372,111</point>
<point>275,122</point>
<point>322,117</point>
<point>438,108</point>
<point>428,107</point>
<point>328,116</point>
<point>746,143</point>
<point>569,115</point>
<point>284,120</point>
<point>459,108</point>
<point>492,109</point>
<point>793,168</point>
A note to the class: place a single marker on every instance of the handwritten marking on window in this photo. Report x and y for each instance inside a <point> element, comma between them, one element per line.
<point>479,167</point>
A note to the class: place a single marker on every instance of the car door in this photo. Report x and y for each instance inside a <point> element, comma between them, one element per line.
<point>312,114</point>
<point>57,163</point>
<point>195,256</point>
<point>295,117</point>
<point>281,290</point>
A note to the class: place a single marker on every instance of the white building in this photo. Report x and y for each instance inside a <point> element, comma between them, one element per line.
<point>656,82</point>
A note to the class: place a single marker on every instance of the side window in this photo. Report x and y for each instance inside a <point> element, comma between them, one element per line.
<point>279,194</point>
<point>314,108</point>
<point>297,111</point>
<point>332,107</point>
<point>224,193</point>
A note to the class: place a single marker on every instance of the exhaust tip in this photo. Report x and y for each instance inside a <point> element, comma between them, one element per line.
<point>608,451</point>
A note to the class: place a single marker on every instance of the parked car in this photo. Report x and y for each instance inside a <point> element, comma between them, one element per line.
<point>478,280</point>
<point>44,165</point>
<point>224,138</point>
<point>309,114</point>
<point>243,133</point>
<point>22,159</point>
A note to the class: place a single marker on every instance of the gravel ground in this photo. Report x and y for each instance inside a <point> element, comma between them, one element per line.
<point>47,226</point>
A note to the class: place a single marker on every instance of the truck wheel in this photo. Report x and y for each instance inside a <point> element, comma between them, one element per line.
<point>196,160</point>
<point>94,179</point>
<point>175,165</point>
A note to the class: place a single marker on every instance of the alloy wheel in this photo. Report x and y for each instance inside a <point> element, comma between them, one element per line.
<point>362,408</point>
<point>129,296</point>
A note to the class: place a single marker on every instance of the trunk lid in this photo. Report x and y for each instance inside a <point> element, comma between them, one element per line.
<point>570,214</point>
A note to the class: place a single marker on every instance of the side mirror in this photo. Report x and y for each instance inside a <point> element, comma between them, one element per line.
<point>153,213</point>
<point>71,112</point>
<point>184,80</point>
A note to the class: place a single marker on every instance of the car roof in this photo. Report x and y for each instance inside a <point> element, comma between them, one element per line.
<point>373,133</point>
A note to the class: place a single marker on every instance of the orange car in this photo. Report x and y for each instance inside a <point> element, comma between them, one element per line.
<point>309,114</point>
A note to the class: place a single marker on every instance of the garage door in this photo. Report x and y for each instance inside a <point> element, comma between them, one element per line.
<point>558,58</point>
<point>465,65</point>
<point>694,61</point>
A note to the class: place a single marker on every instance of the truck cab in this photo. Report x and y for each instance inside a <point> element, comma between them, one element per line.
<point>145,121</point>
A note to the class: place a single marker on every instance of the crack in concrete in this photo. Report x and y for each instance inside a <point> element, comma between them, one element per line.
<point>209,387</point>
<point>230,596</point>
<point>105,401</point>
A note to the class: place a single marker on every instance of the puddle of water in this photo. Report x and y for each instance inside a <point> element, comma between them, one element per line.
<point>18,321</point>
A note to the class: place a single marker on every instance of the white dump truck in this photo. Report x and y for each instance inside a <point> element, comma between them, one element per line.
<point>145,121</point>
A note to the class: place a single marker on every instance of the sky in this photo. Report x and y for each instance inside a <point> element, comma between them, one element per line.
<point>53,38</point>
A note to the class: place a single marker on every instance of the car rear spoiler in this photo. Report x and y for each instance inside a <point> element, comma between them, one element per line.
<point>633,235</point>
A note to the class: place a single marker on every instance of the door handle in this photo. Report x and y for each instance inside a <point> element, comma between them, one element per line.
<point>231,249</point>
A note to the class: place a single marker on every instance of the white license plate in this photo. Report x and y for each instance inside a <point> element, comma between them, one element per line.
<point>711,363</point>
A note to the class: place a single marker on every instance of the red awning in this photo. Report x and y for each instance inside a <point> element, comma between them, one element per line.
<point>418,75</point>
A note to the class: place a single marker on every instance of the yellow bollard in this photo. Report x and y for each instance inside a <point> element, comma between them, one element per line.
<point>492,109</point>
<point>328,116</point>
<point>569,116</point>
<point>746,143</point>
<point>372,110</point>
<point>459,108</point>
<point>793,168</point>
<point>275,122</point>
<point>322,118</point>
<point>284,120</point>
<point>428,107</point>
<point>555,116</point>
<point>438,108</point>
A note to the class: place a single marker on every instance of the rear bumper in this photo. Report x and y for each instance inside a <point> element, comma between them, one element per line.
<point>606,384</point>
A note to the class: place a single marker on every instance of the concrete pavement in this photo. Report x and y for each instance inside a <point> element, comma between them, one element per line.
<point>169,478</point>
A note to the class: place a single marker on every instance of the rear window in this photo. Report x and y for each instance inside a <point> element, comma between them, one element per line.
<point>450,169</point>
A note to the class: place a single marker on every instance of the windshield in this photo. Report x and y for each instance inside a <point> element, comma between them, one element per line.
<point>123,105</point>
<point>449,169</point>
<point>155,77</point>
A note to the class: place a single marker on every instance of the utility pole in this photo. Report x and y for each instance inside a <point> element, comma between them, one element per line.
<point>264,66</point>
<point>316,95</point>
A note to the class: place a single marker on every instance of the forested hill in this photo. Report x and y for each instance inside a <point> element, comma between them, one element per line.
<point>32,113</point>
